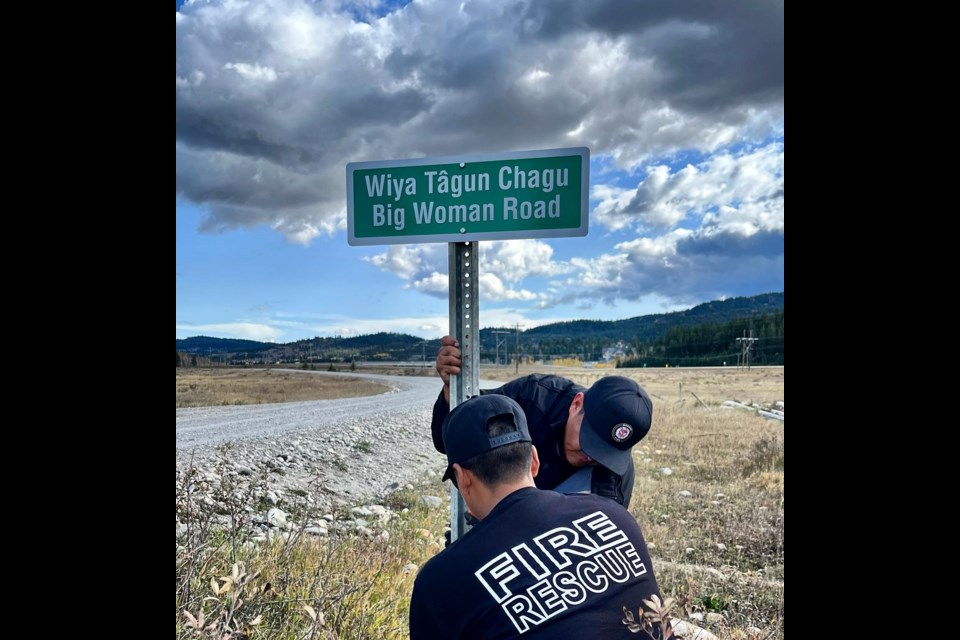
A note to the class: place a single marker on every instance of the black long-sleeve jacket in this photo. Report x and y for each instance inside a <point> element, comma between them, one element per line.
<point>546,403</point>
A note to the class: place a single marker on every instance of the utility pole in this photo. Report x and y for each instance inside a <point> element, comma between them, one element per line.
<point>746,344</point>
<point>501,341</point>
<point>517,350</point>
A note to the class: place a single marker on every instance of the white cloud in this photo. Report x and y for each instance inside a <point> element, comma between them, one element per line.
<point>604,271</point>
<point>424,267</point>
<point>242,330</point>
<point>252,72</point>
<point>406,260</point>
<point>704,231</point>
<point>493,289</point>
<point>291,91</point>
<point>427,327</point>
<point>722,189</point>
<point>514,260</point>
<point>436,284</point>
<point>274,98</point>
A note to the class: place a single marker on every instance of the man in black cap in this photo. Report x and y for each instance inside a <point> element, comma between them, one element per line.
<point>583,436</point>
<point>539,564</point>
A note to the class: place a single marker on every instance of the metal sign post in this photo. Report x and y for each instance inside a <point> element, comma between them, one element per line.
<point>463,273</point>
<point>461,200</point>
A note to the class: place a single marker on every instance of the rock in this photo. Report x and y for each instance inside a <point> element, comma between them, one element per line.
<point>432,502</point>
<point>690,631</point>
<point>381,512</point>
<point>277,518</point>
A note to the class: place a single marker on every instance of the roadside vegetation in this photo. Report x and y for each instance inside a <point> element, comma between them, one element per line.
<point>295,585</point>
<point>207,387</point>
<point>709,497</point>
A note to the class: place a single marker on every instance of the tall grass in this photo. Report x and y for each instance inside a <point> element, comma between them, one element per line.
<point>714,525</point>
<point>715,522</point>
<point>293,585</point>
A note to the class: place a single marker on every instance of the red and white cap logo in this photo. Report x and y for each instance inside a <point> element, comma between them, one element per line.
<point>621,432</point>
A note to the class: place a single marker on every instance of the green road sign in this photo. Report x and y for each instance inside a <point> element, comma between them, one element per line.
<point>526,194</point>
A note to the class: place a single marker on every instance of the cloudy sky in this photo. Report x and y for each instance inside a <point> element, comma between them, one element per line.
<point>680,104</point>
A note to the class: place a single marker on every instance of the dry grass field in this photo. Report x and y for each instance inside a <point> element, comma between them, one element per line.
<point>709,496</point>
<point>715,520</point>
<point>713,385</point>
<point>202,387</point>
<point>709,493</point>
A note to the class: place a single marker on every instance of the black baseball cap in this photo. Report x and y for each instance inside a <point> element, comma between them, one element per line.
<point>465,428</point>
<point>617,414</point>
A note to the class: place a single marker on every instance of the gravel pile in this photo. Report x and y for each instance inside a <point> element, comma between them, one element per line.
<point>359,458</point>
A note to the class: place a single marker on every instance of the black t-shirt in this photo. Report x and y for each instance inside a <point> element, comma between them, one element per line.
<point>540,565</point>
<point>545,401</point>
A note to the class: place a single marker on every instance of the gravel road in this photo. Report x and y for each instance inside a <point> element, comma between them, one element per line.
<point>347,449</point>
<point>205,426</point>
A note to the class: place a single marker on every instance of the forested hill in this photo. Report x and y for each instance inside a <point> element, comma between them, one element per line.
<point>587,339</point>
<point>581,339</point>
<point>378,346</point>
<point>208,345</point>
<point>645,328</point>
<point>715,345</point>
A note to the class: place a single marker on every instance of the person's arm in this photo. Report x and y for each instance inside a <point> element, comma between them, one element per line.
<point>448,362</point>
<point>440,410</point>
<point>607,484</point>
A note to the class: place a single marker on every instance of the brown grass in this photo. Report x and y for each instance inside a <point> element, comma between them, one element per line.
<point>296,587</point>
<point>219,386</point>
<point>712,385</point>
<point>718,550</point>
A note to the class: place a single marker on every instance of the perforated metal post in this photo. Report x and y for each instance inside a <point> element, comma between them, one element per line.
<point>464,260</point>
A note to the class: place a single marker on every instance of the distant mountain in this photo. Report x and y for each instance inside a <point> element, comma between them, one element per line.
<point>378,346</point>
<point>586,339</point>
<point>205,345</point>
<point>654,325</point>
<point>581,339</point>
<point>716,344</point>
